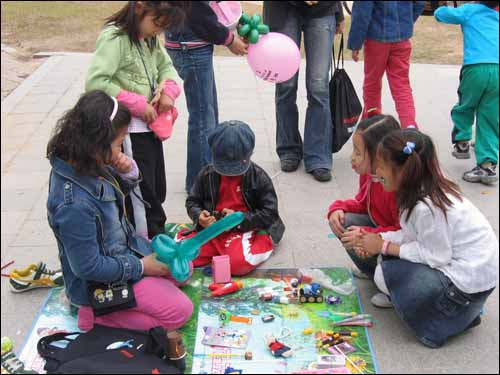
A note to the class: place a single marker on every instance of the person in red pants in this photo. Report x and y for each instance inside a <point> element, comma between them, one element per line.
<point>234,183</point>
<point>384,28</point>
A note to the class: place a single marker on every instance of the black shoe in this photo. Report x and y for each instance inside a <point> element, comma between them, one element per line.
<point>461,150</point>
<point>322,174</point>
<point>290,165</point>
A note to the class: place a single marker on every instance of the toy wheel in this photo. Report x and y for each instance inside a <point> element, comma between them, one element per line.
<point>311,300</point>
<point>303,299</point>
<point>319,299</point>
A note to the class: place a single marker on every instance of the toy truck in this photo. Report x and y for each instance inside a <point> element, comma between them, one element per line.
<point>311,293</point>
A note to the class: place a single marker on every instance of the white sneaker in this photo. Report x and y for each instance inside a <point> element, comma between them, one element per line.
<point>382,301</point>
<point>358,274</point>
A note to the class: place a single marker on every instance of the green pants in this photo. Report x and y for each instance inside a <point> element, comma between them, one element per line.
<point>478,97</point>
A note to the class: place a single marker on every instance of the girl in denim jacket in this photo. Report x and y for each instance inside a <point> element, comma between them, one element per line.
<point>86,210</point>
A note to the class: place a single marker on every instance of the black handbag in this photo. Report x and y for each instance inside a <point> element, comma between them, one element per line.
<point>345,106</point>
<point>105,350</point>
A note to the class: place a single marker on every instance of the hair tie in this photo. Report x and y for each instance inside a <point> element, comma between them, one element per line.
<point>410,146</point>
<point>115,109</point>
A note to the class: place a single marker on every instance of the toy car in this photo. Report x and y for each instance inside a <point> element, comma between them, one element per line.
<point>333,300</point>
<point>311,293</point>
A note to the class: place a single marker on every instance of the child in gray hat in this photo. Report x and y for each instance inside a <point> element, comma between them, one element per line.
<point>234,183</point>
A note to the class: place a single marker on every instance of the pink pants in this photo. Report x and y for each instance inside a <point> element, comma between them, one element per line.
<point>159,303</point>
<point>393,59</point>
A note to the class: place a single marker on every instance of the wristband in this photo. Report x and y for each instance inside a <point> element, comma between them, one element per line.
<point>385,247</point>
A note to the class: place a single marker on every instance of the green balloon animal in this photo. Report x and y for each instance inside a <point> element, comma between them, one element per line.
<point>177,255</point>
<point>252,27</point>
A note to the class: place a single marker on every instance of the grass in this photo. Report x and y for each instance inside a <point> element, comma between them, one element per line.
<point>73,26</point>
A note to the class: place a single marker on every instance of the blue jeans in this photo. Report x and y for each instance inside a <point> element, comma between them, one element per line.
<point>365,265</point>
<point>423,297</point>
<point>316,149</point>
<point>195,67</point>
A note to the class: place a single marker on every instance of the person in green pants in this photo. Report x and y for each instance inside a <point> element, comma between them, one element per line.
<point>478,90</point>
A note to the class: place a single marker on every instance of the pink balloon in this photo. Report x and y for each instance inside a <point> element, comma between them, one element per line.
<point>274,58</point>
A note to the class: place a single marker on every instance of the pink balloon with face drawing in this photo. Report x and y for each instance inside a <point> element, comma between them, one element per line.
<point>274,58</point>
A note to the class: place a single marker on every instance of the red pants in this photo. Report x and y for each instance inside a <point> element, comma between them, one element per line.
<point>246,250</point>
<point>393,59</point>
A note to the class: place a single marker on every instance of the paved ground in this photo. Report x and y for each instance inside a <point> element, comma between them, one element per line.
<point>30,112</point>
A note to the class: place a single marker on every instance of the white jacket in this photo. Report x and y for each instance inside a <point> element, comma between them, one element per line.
<point>463,246</point>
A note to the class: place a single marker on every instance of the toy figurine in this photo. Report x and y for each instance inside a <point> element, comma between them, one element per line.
<point>278,349</point>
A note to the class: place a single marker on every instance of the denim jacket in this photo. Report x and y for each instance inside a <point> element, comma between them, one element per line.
<point>95,239</point>
<point>383,21</point>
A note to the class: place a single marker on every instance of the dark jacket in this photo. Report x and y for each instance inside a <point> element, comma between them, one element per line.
<point>258,193</point>
<point>201,25</point>
<point>383,21</point>
<point>276,12</point>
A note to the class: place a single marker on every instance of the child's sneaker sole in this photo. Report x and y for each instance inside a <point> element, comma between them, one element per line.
<point>381,301</point>
<point>490,180</point>
<point>461,155</point>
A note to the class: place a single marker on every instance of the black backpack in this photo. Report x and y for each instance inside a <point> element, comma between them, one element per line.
<point>345,106</point>
<point>105,350</point>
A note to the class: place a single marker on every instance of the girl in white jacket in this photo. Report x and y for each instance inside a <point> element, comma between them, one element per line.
<point>440,268</point>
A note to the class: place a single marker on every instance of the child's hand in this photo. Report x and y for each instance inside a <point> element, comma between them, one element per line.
<point>165,104</point>
<point>238,46</point>
<point>227,211</point>
<point>152,267</point>
<point>370,243</point>
<point>205,219</point>
<point>351,237</point>
<point>355,55</point>
<point>337,220</point>
<point>121,163</point>
<point>149,114</point>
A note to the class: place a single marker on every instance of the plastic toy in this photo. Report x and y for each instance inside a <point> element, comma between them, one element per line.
<point>221,269</point>
<point>333,300</point>
<point>248,356</point>
<point>225,317</point>
<point>228,12</point>
<point>223,289</point>
<point>268,318</point>
<point>275,58</point>
<point>231,370</point>
<point>277,348</point>
<point>252,27</point>
<point>178,255</point>
<point>307,331</point>
<point>311,293</point>
<point>346,288</point>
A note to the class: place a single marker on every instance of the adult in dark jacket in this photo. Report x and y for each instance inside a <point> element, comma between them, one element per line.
<point>235,183</point>
<point>191,50</point>
<point>319,21</point>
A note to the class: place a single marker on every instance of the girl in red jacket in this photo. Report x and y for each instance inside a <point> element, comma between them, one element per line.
<point>372,209</point>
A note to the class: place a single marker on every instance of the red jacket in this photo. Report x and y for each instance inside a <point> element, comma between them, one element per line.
<point>374,201</point>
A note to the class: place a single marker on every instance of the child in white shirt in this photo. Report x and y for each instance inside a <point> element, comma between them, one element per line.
<point>440,268</point>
